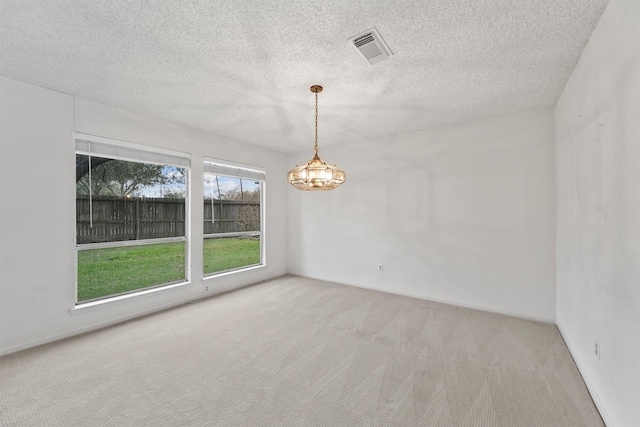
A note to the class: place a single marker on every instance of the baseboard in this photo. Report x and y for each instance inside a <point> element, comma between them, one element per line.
<point>438,300</point>
<point>96,326</point>
<point>592,390</point>
<point>83,330</point>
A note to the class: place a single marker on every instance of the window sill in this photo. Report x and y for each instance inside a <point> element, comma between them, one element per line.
<point>232,272</point>
<point>117,300</point>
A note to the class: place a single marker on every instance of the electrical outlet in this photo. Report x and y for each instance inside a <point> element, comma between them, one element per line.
<point>597,350</point>
<point>380,268</point>
<point>206,288</point>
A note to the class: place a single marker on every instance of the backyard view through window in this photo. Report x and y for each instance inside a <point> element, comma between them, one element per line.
<point>130,221</point>
<point>232,218</point>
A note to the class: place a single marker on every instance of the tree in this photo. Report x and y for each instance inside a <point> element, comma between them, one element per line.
<point>245,195</point>
<point>248,218</point>
<point>252,195</point>
<point>173,195</point>
<point>120,178</point>
<point>82,165</point>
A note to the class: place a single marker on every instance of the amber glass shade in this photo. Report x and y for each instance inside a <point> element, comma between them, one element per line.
<point>316,175</point>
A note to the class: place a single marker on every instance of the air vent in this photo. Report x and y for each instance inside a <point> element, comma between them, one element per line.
<point>371,46</point>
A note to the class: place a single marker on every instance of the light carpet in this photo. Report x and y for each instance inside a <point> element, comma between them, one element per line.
<point>302,352</point>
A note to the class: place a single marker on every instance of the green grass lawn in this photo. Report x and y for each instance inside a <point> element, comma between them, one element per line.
<point>111,271</point>
<point>230,253</point>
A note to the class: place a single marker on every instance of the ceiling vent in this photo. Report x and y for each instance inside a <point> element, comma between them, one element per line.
<point>371,46</point>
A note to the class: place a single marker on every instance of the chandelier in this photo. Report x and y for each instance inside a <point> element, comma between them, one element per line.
<point>316,175</point>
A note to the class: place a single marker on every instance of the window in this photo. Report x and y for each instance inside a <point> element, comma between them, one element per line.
<point>233,218</point>
<point>131,219</point>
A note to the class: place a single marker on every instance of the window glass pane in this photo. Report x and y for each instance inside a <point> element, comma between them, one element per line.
<point>232,223</point>
<point>125,203</point>
<point>106,272</point>
<point>230,253</point>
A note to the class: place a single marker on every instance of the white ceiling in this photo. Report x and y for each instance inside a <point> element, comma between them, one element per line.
<point>242,69</point>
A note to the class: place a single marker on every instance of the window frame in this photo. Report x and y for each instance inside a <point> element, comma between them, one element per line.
<point>212,167</point>
<point>132,152</point>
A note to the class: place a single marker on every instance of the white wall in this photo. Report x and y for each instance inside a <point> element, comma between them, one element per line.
<point>598,189</point>
<point>461,214</point>
<point>37,210</point>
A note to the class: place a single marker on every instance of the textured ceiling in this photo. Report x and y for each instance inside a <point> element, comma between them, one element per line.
<point>242,69</point>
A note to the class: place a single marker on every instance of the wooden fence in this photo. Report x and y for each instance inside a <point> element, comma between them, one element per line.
<point>121,218</point>
<point>231,216</point>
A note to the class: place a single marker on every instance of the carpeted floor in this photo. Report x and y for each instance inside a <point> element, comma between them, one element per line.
<point>301,352</point>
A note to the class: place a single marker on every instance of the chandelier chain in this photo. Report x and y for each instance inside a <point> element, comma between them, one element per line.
<point>316,146</point>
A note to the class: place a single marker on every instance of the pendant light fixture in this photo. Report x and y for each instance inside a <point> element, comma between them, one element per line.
<point>316,175</point>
